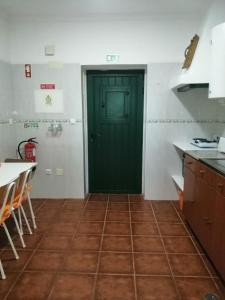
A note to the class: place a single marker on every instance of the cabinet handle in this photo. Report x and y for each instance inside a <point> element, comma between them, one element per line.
<point>207,221</point>
<point>202,172</point>
<point>220,187</point>
<point>189,162</point>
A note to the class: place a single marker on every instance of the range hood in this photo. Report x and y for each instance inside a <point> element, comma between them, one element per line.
<point>198,74</point>
<point>191,86</point>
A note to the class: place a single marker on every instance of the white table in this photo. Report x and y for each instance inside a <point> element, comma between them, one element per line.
<point>11,171</point>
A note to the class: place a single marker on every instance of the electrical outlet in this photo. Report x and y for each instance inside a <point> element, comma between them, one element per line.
<point>59,172</point>
<point>48,171</point>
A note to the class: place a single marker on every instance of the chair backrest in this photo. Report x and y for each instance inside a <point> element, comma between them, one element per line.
<point>7,197</point>
<point>22,184</point>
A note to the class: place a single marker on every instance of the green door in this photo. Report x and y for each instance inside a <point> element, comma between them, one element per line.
<point>115,131</point>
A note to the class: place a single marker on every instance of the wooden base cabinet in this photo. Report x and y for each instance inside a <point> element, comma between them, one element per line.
<point>204,209</point>
<point>218,227</point>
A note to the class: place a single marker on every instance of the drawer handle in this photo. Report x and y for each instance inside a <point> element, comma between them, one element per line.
<point>189,162</point>
<point>207,221</point>
<point>202,172</point>
<point>220,187</point>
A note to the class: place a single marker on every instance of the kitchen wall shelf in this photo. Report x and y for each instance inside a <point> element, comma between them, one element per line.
<point>179,180</point>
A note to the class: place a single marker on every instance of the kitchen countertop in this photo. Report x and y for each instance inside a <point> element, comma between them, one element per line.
<point>187,146</point>
<point>206,154</point>
<point>213,159</point>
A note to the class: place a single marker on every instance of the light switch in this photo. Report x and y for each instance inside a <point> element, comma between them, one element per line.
<point>59,172</point>
<point>49,50</point>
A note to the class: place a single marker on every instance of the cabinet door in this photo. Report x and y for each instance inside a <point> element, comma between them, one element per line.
<point>218,237</point>
<point>204,206</point>
<point>189,195</point>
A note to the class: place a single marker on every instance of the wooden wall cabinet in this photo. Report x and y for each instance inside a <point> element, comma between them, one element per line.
<point>204,208</point>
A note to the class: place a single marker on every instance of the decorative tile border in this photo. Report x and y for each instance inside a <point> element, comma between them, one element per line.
<point>183,121</point>
<point>42,121</point>
<point>150,121</point>
<point>3,122</point>
<point>21,121</point>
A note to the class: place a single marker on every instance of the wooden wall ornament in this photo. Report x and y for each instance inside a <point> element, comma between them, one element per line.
<point>190,52</point>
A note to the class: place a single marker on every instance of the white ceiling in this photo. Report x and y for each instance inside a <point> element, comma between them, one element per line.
<point>100,8</point>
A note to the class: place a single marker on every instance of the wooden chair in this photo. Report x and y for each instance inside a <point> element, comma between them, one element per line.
<point>7,194</point>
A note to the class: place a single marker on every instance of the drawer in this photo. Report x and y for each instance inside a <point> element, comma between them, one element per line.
<point>190,163</point>
<point>206,174</point>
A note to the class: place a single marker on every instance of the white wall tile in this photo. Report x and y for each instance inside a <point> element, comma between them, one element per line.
<point>66,151</point>
<point>162,159</point>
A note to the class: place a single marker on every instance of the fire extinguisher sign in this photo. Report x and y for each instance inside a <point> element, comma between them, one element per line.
<point>47,86</point>
<point>28,71</point>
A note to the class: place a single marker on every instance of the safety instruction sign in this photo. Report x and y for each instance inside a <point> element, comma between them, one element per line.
<point>49,101</point>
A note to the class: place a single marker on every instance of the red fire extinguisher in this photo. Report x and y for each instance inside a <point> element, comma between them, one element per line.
<point>29,149</point>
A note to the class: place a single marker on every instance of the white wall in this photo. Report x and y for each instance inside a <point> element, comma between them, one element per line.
<point>64,151</point>
<point>200,70</point>
<point>7,131</point>
<point>4,39</point>
<point>172,118</point>
<point>156,42</point>
<point>158,39</point>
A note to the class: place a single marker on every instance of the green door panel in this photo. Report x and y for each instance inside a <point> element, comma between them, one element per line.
<point>115,130</point>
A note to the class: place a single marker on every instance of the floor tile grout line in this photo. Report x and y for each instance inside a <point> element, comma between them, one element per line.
<point>99,252</point>
<point>25,265</point>
<point>81,214</point>
<point>181,220</point>
<point>16,233</point>
<point>22,270</point>
<point>167,256</point>
<point>198,251</point>
<point>117,251</point>
<point>116,274</point>
<point>195,246</point>
<point>73,236</point>
<point>132,251</point>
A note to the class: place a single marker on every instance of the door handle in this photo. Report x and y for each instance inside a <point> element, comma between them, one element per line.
<point>93,136</point>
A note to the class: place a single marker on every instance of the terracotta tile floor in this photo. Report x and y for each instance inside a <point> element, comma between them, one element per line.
<point>115,247</point>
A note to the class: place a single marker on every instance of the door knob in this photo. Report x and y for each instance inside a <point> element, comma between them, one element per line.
<point>93,136</point>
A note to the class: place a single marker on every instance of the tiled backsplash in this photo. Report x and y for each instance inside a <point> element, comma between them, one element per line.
<point>64,151</point>
<point>167,119</point>
<point>7,131</point>
<point>173,117</point>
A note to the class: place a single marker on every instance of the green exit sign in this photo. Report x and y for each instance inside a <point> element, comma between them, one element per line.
<point>112,58</point>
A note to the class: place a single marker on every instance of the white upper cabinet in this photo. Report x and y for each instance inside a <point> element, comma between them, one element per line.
<point>217,69</point>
